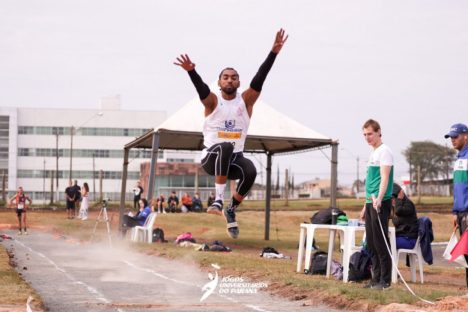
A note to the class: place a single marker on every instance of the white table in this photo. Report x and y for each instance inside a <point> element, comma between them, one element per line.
<point>349,247</point>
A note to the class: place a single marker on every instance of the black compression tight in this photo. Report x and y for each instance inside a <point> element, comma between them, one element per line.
<point>221,161</point>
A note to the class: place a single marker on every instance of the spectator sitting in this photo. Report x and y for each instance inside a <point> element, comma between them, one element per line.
<point>211,199</point>
<point>161,203</point>
<point>173,202</point>
<point>405,219</point>
<point>186,203</point>
<point>197,204</point>
<point>137,220</point>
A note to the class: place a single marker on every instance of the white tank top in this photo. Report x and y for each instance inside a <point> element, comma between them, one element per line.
<point>229,122</point>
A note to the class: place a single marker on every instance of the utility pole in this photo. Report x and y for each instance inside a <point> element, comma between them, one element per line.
<point>51,187</point>
<point>94,177</point>
<point>70,176</point>
<point>56,165</point>
<point>286,188</point>
<point>101,173</point>
<point>4,186</point>
<point>357,174</point>
<point>419,184</point>
<point>43,183</point>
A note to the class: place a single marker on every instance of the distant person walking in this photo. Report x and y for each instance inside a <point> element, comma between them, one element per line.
<point>70,196</point>
<point>458,134</point>
<point>20,201</point>
<point>379,186</point>
<point>227,119</point>
<point>84,202</point>
<point>137,193</point>
<point>77,190</point>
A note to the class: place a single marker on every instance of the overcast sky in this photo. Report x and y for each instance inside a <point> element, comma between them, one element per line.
<point>403,63</point>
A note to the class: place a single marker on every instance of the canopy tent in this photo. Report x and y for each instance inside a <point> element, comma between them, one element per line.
<point>270,132</point>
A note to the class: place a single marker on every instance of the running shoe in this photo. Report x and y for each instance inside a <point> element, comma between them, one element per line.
<point>215,208</point>
<point>230,216</point>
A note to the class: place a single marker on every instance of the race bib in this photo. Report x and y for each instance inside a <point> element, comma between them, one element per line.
<point>20,206</point>
<point>229,135</point>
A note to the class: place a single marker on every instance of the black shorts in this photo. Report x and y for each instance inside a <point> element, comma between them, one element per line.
<point>19,212</point>
<point>70,205</point>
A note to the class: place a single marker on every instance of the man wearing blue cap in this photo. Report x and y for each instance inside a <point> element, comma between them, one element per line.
<point>459,136</point>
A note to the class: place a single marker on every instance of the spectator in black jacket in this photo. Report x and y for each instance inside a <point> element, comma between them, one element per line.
<point>404,219</point>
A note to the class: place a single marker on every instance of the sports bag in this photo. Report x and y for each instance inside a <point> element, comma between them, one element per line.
<point>324,216</point>
<point>319,263</point>
<point>158,235</point>
<point>359,266</point>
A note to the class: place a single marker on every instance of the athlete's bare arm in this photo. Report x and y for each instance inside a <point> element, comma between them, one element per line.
<point>251,95</point>
<point>207,97</point>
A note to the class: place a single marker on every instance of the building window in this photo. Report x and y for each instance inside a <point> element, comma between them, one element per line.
<point>79,174</point>
<point>80,153</point>
<point>91,131</point>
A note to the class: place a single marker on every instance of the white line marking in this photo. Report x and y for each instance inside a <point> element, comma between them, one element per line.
<point>89,288</point>
<point>250,306</point>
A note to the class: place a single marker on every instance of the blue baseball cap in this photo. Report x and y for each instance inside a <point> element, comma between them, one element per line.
<point>456,130</point>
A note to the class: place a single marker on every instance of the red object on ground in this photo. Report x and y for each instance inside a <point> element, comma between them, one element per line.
<point>5,236</point>
<point>461,248</point>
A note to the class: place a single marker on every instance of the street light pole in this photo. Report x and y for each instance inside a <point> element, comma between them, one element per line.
<point>56,165</point>
<point>72,132</point>
<point>43,183</point>
<point>357,174</point>
<point>357,168</point>
<point>70,177</point>
<point>94,177</point>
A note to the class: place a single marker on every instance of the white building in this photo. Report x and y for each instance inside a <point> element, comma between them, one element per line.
<point>31,137</point>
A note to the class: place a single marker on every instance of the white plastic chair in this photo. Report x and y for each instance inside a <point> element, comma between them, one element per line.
<point>415,254</point>
<point>146,229</point>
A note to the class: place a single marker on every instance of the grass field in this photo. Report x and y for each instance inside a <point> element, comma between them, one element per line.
<point>244,260</point>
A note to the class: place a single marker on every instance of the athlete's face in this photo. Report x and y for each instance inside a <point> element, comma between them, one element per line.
<point>372,137</point>
<point>459,141</point>
<point>229,81</point>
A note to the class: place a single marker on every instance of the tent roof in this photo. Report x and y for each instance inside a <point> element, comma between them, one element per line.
<point>269,131</point>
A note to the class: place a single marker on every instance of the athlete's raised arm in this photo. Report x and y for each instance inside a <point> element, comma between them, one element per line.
<point>206,96</point>
<point>251,95</point>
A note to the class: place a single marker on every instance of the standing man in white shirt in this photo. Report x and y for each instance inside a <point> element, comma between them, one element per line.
<point>227,118</point>
<point>379,187</point>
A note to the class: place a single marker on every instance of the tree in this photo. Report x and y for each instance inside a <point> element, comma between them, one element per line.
<point>435,160</point>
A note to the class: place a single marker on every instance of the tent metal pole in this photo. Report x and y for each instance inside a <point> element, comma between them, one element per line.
<point>154,160</point>
<point>268,197</point>
<point>334,174</point>
<point>124,187</point>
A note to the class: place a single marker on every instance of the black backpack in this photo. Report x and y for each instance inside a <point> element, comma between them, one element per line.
<point>158,235</point>
<point>319,263</point>
<point>324,216</point>
<point>359,266</point>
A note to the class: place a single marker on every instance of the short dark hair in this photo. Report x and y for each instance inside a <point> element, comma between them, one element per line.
<point>227,68</point>
<point>373,124</point>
